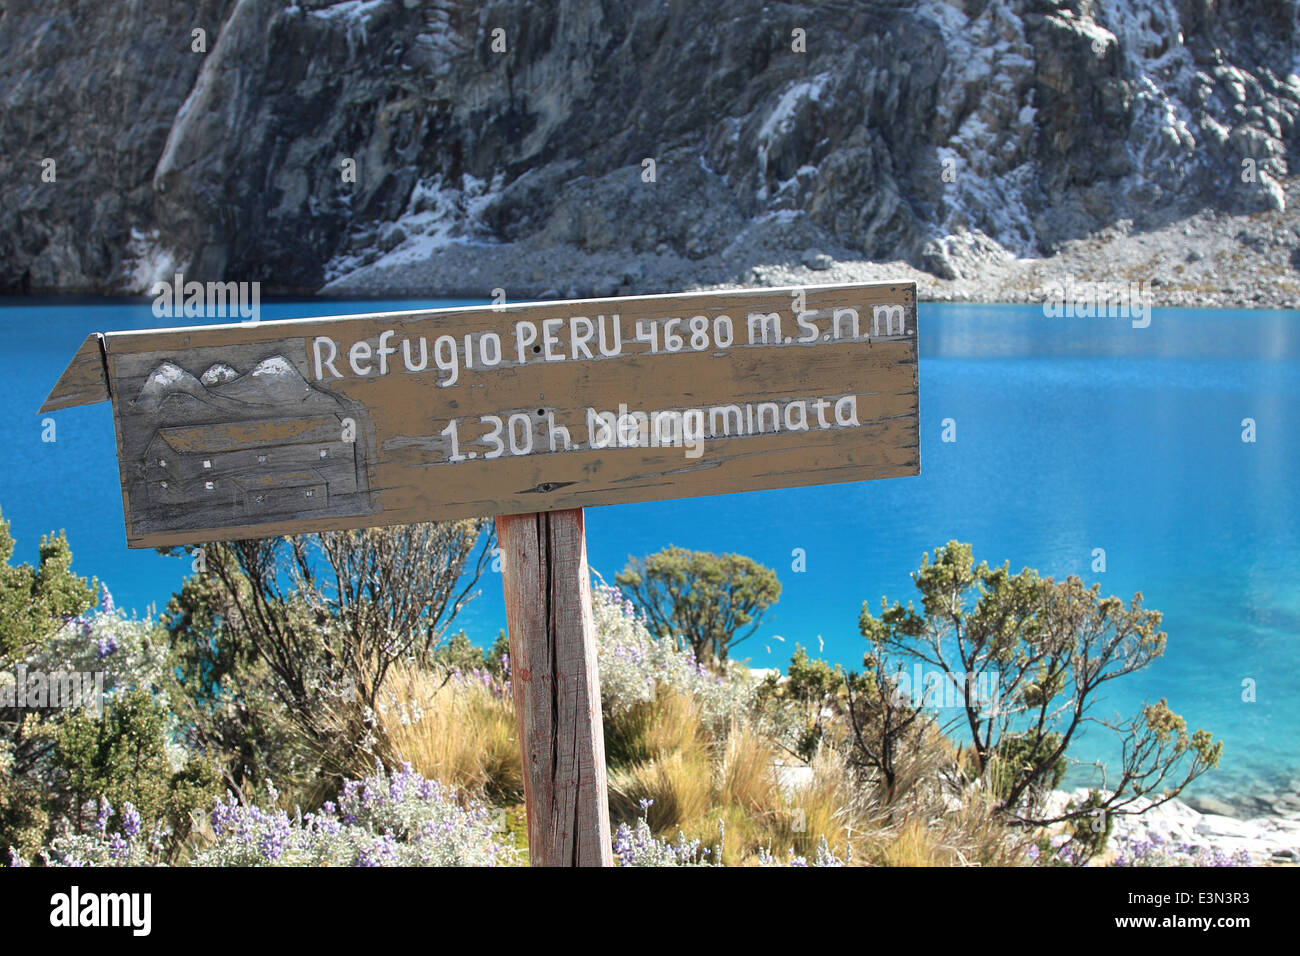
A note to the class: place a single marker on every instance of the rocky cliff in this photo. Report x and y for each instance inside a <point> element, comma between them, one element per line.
<point>602,145</point>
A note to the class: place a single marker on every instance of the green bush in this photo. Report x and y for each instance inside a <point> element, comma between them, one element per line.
<point>122,756</point>
<point>459,653</point>
<point>35,602</point>
<point>1026,757</point>
<point>708,602</point>
<point>1045,651</point>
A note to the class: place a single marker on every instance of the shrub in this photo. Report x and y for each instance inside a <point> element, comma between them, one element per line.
<point>823,857</point>
<point>24,820</point>
<point>130,652</point>
<point>635,665</point>
<point>459,654</point>
<point>223,693</point>
<point>124,745</point>
<point>130,843</point>
<point>122,757</point>
<point>1091,828</point>
<point>328,614</point>
<point>700,599</point>
<point>1156,850</point>
<point>636,845</point>
<point>801,706</point>
<point>36,602</point>
<point>398,819</point>
<point>387,819</point>
<point>1049,648</point>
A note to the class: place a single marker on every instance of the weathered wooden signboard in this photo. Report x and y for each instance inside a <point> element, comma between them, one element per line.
<point>524,412</point>
<point>236,431</point>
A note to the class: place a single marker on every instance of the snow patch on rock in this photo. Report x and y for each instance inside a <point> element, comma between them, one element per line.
<point>148,261</point>
<point>988,148</point>
<point>436,216</point>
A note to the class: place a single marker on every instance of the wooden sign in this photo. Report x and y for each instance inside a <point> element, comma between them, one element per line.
<point>267,428</point>
<point>523,412</point>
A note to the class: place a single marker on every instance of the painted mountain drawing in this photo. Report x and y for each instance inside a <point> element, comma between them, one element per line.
<point>274,381</point>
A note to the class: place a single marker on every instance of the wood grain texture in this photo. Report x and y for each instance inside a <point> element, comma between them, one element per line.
<point>402,465</point>
<point>85,380</point>
<point>556,687</point>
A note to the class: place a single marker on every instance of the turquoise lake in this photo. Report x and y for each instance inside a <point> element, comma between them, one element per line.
<point>1072,435</point>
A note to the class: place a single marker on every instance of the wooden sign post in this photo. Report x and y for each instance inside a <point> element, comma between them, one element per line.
<point>525,412</point>
<point>556,687</point>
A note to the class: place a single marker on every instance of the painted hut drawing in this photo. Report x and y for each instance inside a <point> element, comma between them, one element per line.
<point>219,446</point>
<point>277,465</point>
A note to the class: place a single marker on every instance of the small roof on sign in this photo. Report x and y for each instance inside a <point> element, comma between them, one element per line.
<point>84,381</point>
<point>193,439</point>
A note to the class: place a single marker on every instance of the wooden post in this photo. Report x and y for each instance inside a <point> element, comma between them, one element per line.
<point>556,687</point>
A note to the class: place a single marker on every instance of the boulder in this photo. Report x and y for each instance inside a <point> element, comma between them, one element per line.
<point>817,260</point>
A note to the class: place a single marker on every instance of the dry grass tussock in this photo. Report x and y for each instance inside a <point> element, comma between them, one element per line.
<point>666,765</point>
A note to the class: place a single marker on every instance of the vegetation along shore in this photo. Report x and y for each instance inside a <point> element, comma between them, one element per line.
<point>283,712</point>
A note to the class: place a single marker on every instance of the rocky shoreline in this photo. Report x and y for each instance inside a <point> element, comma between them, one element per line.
<point>1200,831</point>
<point>1207,260</point>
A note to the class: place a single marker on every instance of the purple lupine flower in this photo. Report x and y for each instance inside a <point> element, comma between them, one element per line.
<point>118,847</point>
<point>224,813</point>
<point>371,798</point>
<point>130,820</point>
<point>275,837</point>
<point>378,854</point>
<point>105,811</point>
<point>106,601</point>
<point>105,646</point>
<point>623,847</point>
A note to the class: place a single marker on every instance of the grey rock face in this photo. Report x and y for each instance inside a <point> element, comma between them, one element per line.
<point>940,132</point>
<point>935,259</point>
